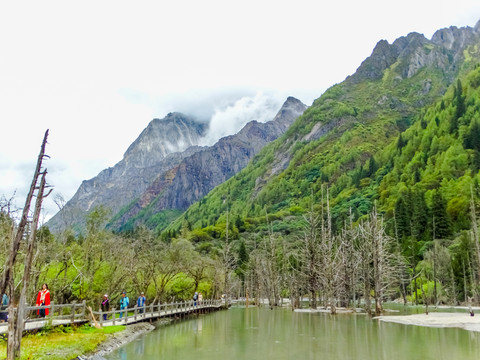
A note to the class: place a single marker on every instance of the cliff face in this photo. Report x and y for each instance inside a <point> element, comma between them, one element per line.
<point>200,172</point>
<point>160,147</point>
<point>413,52</point>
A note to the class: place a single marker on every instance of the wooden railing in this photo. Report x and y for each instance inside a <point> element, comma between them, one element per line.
<point>67,314</point>
<point>135,314</point>
<point>58,314</point>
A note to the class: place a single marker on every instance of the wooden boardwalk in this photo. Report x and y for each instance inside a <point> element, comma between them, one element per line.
<point>68,314</point>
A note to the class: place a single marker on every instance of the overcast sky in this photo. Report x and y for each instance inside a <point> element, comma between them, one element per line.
<point>95,73</point>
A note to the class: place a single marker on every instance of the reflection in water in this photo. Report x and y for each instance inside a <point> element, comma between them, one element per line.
<point>282,334</point>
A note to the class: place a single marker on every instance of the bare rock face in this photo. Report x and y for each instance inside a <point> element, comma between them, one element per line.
<point>413,52</point>
<point>161,146</point>
<point>173,134</point>
<point>199,173</point>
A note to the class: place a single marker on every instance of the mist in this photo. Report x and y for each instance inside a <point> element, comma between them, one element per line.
<point>231,118</point>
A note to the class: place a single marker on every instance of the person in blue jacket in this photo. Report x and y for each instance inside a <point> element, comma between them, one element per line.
<point>141,302</point>
<point>3,309</point>
<point>124,301</point>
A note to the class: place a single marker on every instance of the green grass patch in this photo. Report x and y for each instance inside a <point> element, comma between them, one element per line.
<point>61,343</point>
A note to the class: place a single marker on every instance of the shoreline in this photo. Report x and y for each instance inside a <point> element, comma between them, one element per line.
<point>439,319</point>
<point>117,340</point>
<point>436,319</point>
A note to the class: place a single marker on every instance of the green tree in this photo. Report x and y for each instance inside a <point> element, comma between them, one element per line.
<point>441,222</point>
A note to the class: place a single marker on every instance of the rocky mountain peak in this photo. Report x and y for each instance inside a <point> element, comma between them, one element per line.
<point>161,146</point>
<point>412,52</point>
<point>291,109</point>
<point>477,27</point>
<point>454,38</point>
<point>372,68</point>
<point>174,133</point>
<point>199,173</point>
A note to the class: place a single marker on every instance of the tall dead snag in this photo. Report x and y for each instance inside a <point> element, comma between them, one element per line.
<point>7,273</point>
<point>381,266</point>
<point>310,256</point>
<point>16,319</point>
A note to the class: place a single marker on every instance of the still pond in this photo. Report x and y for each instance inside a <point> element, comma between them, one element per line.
<point>263,334</point>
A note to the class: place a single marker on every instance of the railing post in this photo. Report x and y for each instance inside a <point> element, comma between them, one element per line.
<point>72,315</point>
<point>114,316</point>
<point>135,313</point>
<point>84,308</point>
<point>50,312</point>
<point>100,318</point>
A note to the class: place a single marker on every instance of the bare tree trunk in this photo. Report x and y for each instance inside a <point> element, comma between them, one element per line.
<point>7,274</point>
<point>28,265</point>
<point>16,321</point>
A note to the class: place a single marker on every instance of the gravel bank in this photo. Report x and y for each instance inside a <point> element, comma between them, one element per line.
<point>116,340</point>
<point>437,319</point>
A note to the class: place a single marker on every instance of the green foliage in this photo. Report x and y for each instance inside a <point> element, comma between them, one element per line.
<point>414,154</point>
<point>59,342</point>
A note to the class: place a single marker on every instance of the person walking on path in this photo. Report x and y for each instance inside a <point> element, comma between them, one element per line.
<point>105,306</point>
<point>141,302</point>
<point>200,298</point>
<point>3,309</point>
<point>43,299</point>
<point>195,298</point>
<point>124,301</point>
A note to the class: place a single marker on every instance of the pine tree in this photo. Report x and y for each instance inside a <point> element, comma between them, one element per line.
<point>419,215</point>
<point>459,100</point>
<point>372,167</point>
<point>472,137</point>
<point>401,143</point>
<point>441,224</point>
<point>402,214</point>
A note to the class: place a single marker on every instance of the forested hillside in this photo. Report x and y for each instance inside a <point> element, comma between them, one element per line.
<point>355,139</point>
<point>409,144</point>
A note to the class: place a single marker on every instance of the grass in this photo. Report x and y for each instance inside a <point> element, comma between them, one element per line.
<point>61,343</point>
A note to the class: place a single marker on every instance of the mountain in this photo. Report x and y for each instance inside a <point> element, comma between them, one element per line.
<point>161,146</point>
<point>177,188</point>
<point>348,140</point>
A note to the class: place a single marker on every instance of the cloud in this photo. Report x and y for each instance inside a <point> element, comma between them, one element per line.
<point>231,118</point>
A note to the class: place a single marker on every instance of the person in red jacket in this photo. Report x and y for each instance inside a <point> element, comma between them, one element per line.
<point>43,299</point>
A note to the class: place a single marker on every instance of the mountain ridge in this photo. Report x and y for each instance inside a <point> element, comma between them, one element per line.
<point>342,131</point>
<point>199,173</point>
<point>159,147</point>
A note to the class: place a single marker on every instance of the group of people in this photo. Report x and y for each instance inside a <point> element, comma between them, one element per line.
<point>43,300</point>
<point>124,302</point>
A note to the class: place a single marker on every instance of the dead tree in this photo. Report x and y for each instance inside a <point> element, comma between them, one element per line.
<point>16,319</point>
<point>7,273</point>
<point>310,256</point>
<point>381,266</point>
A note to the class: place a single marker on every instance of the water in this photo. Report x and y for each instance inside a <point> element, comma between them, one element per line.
<point>265,334</point>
